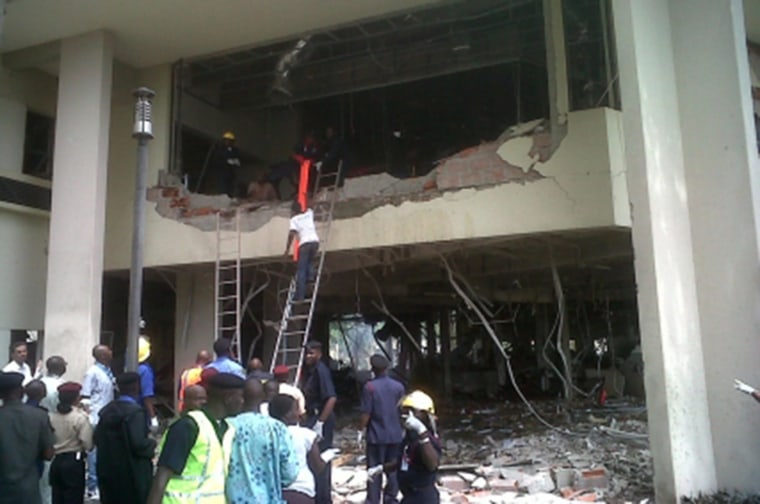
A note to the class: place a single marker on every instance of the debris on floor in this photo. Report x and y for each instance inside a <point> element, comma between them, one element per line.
<point>502,454</point>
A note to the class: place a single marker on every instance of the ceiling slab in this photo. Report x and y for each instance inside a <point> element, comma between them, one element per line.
<point>152,32</point>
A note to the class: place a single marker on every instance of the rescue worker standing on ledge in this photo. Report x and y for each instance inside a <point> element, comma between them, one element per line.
<point>420,452</point>
<point>227,163</point>
<point>319,392</point>
<point>192,466</point>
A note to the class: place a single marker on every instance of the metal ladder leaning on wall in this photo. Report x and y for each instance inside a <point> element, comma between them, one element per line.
<point>227,279</point>
<point>297,316</point>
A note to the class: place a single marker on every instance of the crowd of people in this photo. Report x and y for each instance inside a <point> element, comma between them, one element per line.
<point>240,436</point>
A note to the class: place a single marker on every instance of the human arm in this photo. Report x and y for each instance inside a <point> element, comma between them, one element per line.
<point>292,235</point>
<point>747,389</point>
<point>85,433</point>
<point>287,457</point>
<point>160,480</point>
<point>428,454</point>
<point>137,439</point>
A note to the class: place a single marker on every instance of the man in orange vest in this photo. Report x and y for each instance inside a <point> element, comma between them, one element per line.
<point>192,376</point>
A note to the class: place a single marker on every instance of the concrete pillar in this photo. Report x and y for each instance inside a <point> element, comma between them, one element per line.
<point>194,324</point>
<point>679,425</point>
<point>721,160</point>
<point>75,260</point>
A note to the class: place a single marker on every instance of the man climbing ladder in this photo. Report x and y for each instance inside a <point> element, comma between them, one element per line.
<point>302,227</point>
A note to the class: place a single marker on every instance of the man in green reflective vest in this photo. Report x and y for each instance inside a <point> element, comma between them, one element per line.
<point>192,465</point>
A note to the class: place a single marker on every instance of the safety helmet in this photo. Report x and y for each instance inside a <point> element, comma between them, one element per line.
<point>418,400</point>
<point>143,349</point>
<point>228,135</point>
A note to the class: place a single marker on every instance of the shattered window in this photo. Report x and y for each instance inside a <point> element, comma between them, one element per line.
<point>38,145</point>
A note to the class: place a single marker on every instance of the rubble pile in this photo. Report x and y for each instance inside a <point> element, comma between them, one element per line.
<point>504,454</point>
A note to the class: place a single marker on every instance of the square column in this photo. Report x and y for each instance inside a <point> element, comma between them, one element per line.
<point>77,218</point>
<point>679,423</point>
<point>722,180</point>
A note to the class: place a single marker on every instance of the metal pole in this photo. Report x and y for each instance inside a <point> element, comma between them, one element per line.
<point>143,133</point>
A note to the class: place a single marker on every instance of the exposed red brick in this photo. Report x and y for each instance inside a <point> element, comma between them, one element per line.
<point>170,192</point>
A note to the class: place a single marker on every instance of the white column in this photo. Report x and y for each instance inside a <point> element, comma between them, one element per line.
<point>194,319</point>
<point>75,262</point>
<point>679,426</point>
<point>717,131</point>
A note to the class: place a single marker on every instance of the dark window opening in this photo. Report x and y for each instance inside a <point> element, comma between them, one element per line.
<point>38,146</point>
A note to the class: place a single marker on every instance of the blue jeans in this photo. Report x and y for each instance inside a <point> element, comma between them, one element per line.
<point>306,254</point>
<point>381,454</point>
<point>92,476</point>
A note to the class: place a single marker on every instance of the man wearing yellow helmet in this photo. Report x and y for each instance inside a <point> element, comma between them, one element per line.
<point>147,383</point>
<point>227,163</point>
<point>420,451</point>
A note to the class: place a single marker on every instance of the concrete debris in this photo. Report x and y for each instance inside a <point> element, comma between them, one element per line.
<point>526,462</point>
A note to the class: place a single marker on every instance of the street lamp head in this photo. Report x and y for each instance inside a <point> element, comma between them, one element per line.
<point>143,125</point>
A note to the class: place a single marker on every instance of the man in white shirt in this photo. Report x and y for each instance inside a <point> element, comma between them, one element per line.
<point>56,368</point>
<point>302,227</point>
<point>18,363</point>
<point>97,390</point>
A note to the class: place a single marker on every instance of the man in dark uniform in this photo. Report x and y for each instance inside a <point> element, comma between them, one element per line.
<point>420,452</point>
<point>25,438</point>
<point>181,465</point>
<point>227,163</point>
<point>125,452</point>
<point>319,392</point>
<point>336,150</point>
<point>380,421</point>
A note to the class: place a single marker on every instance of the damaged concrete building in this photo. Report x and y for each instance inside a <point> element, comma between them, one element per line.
<point>573,184</point>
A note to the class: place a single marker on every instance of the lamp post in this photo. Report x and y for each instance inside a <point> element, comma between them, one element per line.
<point>143,132</point>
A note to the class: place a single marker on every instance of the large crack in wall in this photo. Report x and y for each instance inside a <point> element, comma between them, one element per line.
<point>512,158</point>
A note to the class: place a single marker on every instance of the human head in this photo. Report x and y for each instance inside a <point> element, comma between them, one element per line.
<point>35,391</point>
<point>19,352</point>
<point>129,384</point>
<point>203,358</point>
<point>68,396</point>
<point>284,408</point>
<point>102,354</point>
<point>281,373</point>
<point>11,386</point>
<point>56,365</point>
<point>228,138</point>
<point>225,395</point>
<point>222,347</point>
<point>271,388</point>
<point>420,405</point>
<point>255,364</point>
<point>253,394</point>
<point>313,353</point>
<point>379,364</point>
<point>329,132</point>
<point>295,208</point>
<point>195,398</point>
<point>206,376</point>
<point>143,349</point>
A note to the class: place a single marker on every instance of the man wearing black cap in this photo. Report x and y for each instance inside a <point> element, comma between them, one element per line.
<point>20,454</point>
<point>380,420</point>
<point>192,460</point>
<point>319,392</point>
<point>125,451</point>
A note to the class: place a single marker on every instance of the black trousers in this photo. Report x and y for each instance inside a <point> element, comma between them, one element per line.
<point>67,478</point>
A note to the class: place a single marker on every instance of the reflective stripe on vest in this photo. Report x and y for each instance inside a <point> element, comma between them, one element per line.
<point>202,480</point>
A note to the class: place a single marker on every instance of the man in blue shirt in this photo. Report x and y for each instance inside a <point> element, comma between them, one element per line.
<point>319,393</point>
<point>147,383</point>
<point>263,460</point>
<point>97,391</point>
<point>224,362</point>
<point>380,420</point>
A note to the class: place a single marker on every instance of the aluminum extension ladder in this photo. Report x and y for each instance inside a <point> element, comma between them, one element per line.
<point>293,332</point>
<point>227,279</point>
